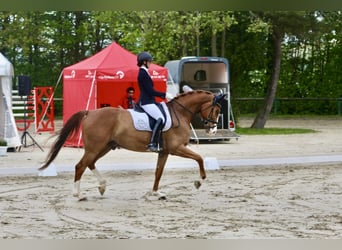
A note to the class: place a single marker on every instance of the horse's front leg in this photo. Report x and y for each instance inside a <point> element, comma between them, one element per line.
<point>162,158</point>
<point>186,152</point>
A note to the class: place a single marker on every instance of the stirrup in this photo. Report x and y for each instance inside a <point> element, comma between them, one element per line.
<point>154,148</point>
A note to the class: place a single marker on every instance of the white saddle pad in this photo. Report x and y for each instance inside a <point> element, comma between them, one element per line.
<point>141,120</point>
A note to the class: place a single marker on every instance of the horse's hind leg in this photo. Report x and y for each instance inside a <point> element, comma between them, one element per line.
<point>102,181</point>
<point>87,160</point>
<point>79,170</point>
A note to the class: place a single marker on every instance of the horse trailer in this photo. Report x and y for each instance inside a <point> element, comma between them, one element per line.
<point>205,73</point>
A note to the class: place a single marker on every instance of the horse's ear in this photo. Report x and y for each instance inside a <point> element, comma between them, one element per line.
<point>219,98</point>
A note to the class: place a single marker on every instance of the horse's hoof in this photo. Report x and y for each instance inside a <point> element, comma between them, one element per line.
<point>102,189</point>
<point>197,184</point>
<point>160,195</point>
<point>82,198</point>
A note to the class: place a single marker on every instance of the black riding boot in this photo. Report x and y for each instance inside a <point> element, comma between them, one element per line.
<point>153,145</point>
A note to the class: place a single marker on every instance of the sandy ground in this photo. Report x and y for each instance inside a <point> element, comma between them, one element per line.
<point>274,201</point>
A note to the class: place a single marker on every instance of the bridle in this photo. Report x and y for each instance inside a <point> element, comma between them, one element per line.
<point>210,119</point>
<point>205,121</point>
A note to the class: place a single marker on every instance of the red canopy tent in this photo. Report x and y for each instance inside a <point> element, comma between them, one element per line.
<point>102,80</point>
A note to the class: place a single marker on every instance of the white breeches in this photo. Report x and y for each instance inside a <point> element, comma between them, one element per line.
<point>153,111</point>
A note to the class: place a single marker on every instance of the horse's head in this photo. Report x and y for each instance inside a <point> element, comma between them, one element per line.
<point>207,104</point>
<point>210,113</point>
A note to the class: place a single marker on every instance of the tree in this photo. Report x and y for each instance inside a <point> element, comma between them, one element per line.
<point>281,23</point>
<point>217,22</point>
<point>281,54</point>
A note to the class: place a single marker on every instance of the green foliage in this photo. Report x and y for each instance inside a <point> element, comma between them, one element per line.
<point>42,43</point>
<point>3,143</point>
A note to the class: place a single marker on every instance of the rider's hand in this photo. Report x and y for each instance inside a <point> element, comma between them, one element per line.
<point>168,96</point>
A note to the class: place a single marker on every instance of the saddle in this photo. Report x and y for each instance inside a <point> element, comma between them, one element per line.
<point>143,122</point>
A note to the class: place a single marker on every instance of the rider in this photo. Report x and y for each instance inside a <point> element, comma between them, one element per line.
<point>147,98</point>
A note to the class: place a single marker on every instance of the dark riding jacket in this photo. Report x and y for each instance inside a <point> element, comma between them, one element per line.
<point>147,91</point>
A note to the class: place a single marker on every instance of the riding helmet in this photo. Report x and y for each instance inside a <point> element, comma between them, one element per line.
<point>143,56</point>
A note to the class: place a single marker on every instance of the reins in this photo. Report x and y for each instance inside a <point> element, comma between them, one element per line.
<point>192,113</point>
<point>174,111</point>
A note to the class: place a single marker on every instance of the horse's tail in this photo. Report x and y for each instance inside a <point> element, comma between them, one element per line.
<point>71,127</point>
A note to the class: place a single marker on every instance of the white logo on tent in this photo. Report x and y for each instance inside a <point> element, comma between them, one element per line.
<point>155,75</point>
<point>89,75</point>
<point>72,74</point>
<point>120,74</point>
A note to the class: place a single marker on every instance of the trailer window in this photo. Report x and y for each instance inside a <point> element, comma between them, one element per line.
<point>200,75</point>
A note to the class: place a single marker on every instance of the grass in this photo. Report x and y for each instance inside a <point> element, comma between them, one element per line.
<point>273,131</point>
<point>283,131</point>
<point>300,116</point>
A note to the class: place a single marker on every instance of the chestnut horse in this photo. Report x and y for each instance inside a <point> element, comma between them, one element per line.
<point>108,128</point>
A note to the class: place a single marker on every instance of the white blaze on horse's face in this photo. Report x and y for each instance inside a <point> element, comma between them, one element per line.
<point>211,120</point>
<point>212,130</point>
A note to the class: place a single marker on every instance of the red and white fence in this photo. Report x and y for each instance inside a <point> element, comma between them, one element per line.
<point>37,109</point>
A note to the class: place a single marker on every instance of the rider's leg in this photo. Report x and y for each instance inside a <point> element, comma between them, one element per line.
<point>153,145</point>
<point>154,112</point>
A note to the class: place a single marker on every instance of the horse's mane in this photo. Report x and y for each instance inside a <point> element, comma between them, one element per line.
<point>192,92</point>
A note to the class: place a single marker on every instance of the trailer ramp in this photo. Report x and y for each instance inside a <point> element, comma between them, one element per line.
<point>221,135</point>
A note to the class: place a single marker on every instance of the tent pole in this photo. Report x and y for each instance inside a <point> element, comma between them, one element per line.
<point>91,90</point>
<point>88,103</point>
